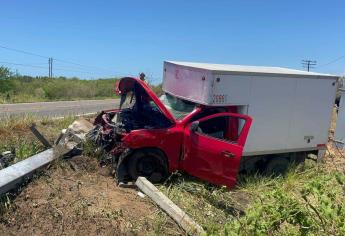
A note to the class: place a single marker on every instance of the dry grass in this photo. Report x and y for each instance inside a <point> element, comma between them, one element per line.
<point>16,135</point>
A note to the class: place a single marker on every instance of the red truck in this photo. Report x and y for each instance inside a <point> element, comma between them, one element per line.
<point>153,137</point>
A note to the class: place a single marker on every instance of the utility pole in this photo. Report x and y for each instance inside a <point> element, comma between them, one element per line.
<point>308,64</point>
<point>51,67</point>
<point>50,64</point>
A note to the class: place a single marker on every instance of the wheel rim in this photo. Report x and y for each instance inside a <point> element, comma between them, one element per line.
<point>147,166</point>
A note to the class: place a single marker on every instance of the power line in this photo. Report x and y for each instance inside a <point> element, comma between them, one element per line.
<point>81,65</point>
<point>331,62</point>
<point>43,67</point>
<point>56,59</point>
<point>308,64</point>
<point>20,64</point>
<point>21,51</point>
<point>88,67</point>
<point>155,79</point>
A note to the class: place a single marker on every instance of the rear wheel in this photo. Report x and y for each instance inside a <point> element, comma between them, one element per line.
<point>277,166</point>
<point>148,163</point>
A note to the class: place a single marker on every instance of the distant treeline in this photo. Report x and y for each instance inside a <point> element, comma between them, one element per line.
<point>19,88</point>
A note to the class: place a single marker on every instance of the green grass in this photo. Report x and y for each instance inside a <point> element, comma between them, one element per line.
<point>307,201</point>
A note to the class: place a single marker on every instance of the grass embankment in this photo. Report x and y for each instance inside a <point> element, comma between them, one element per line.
<point>309,200</point>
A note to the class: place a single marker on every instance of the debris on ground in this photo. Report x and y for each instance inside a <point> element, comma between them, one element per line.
<point>39,136</point>
<point>69,143</point>
<point>6,158</point>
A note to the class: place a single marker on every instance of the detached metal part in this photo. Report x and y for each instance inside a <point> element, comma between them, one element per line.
<point>39,136</point>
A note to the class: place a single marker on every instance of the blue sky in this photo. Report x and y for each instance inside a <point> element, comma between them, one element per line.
<point>112,38</point>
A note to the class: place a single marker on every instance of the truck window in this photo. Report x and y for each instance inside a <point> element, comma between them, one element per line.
<point>226,128</point>
<point>179,108</point>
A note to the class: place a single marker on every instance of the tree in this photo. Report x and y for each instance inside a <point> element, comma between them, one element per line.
<point>6,84</point>
<point>5,72</point>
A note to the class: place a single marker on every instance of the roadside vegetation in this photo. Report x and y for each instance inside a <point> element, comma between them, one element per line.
<point>16,88</point>
<point>16,136</point>
<point>309,200</point>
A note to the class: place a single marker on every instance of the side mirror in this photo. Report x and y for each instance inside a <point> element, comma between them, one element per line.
<point>194,126</point>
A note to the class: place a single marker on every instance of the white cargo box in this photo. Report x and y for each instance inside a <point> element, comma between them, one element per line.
<point>291,109</point>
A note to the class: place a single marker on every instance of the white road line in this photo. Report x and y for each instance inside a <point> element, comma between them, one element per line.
<point>78,115</point>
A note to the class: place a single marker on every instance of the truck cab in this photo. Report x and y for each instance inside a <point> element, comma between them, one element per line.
<point>153,137</point>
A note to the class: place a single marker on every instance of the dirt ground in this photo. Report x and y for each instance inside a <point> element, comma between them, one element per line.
<point>82,199</point>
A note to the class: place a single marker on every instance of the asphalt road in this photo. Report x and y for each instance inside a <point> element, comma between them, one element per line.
<point>57,109</point>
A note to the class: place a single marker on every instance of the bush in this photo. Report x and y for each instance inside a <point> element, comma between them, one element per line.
<point>17,88</point>
<point>6,84</point>
<point>31,89</point>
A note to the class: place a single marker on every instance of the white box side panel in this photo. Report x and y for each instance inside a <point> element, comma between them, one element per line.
<point>231,90</point>
<point>312,112</point>
<point>285,110</point>
<point>271,100</point>
<point>193,85</point>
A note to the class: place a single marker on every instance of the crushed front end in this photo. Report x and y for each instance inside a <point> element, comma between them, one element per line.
<point>137,111</point>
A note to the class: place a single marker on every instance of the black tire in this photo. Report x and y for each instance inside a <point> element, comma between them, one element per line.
<point>148,163</point>
<point>277,166</point>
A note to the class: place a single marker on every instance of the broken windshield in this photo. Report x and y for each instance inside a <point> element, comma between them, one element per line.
<point>179,108</point>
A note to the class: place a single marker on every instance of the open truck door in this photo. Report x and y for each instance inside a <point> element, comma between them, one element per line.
<point>213,147</point>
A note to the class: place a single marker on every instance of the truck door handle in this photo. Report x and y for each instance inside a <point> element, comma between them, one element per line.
<point>228,154</point>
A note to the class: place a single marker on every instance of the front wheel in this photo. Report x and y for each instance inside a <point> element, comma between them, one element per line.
<point>150,164</point>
